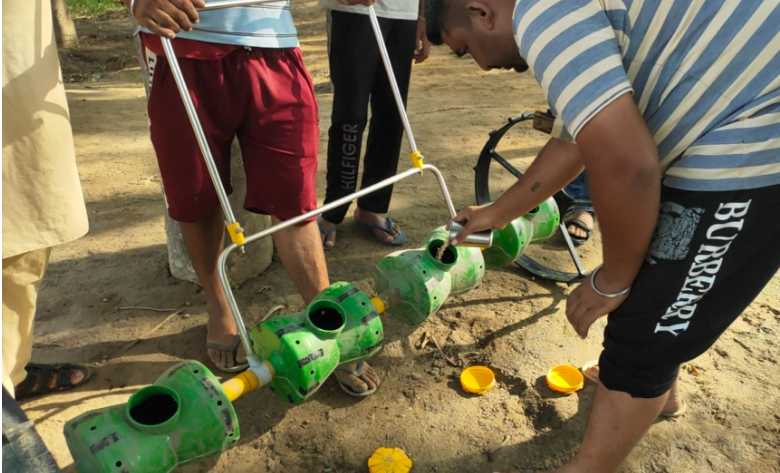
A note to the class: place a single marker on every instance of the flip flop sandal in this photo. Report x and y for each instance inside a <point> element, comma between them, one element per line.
<point>586,367</point>
<point>233,350</point>
<point>39,376</point>
<point>582,226</point>
<point>679,412</point>
<point>325,233</point>
<point>387,228</point>
<point>356,373</point>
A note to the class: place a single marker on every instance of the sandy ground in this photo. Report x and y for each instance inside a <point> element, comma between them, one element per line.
<point>513,323</point>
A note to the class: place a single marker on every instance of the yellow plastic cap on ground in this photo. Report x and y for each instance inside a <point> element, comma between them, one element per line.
<point>565,379</point>
<point>389,460</point>
<point>477,379</point>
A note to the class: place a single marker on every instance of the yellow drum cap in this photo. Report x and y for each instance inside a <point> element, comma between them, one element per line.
<point>389,460</point>
<point>477,379</point>
<point>565,379</point>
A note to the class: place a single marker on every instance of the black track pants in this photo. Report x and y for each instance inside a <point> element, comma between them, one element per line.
<point>359,78</point>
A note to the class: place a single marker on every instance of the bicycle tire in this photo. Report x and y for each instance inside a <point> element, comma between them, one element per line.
<point>482,191</point>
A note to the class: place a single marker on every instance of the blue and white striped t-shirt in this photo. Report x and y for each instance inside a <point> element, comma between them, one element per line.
<point>704,74</point>
<point>267,25</point>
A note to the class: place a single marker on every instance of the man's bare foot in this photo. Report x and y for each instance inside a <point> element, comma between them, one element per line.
<point>674,406</point>
<point>327,232</point>
<point>370,218</point>
<point>368,380</point>
<point>222,330</point>
<point>586,218</point>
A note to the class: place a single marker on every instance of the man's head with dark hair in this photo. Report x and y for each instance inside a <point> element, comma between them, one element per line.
<point>482,28</point>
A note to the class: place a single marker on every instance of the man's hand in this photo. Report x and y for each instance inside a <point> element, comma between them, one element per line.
<point>584,306</point>
<point>475,219</point>
<point>422,48</point>
<point>367,3</point>
<point>166,17</point>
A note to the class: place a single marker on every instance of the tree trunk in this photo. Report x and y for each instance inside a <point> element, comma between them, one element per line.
<point>64,29</point>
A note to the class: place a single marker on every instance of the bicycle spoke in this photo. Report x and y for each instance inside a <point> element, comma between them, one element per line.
<point>503,162</point>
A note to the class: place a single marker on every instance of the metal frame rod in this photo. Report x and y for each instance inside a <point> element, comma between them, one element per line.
<point>572,249</point>
<point>220,4</point>
<point>215,177</point>
<point>391,77</point>
<point>223,258</point>
<point>196,126</point>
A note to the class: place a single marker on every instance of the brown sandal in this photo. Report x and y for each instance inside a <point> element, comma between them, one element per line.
<point>39,377</point>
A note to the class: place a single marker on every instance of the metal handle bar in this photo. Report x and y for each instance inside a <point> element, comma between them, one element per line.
<point>220,4</point>
<point>234,229</point>
<point>223,257</point>
<point>393,83</point>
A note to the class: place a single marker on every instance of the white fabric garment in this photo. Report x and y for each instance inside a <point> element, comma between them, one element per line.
<point>42,201</point>
<point>393,9</point>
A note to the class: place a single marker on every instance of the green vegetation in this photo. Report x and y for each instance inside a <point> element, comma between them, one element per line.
<point>93,7</point>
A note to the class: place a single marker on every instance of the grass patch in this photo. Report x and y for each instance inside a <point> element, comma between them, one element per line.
<point>94,7</point>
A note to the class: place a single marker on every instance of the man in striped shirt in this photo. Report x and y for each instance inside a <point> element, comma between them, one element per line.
<point>674,110</point>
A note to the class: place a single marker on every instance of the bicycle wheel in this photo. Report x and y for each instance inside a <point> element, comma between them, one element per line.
<point>497,171</point>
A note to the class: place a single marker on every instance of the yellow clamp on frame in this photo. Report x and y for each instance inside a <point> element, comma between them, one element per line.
<point>378,304</point>
<point>241,384</point>
<point>417,159</point>
<point>236,233</point>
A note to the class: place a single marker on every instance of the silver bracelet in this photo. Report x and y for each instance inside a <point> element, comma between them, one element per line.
<point>605,294</point>
<point>132,7</point>
<point>419,17</point>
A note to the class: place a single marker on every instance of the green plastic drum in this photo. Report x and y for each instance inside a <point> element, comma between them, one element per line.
<point>185,415</point>
<point>544,220</point>
<point>509,243</point>
<point>469,268</point>
<point>535,227</point>
<point>339,326</point>
<point>421,282</point>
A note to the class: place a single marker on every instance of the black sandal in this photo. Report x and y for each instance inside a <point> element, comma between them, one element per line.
<point>582,226</point>
<point>232,350</point>
<point>39,377</point>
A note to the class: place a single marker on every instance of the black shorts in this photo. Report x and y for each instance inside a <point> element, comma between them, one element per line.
<point>711,255</point>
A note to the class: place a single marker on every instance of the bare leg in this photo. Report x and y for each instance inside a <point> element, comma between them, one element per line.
<point>617,422</point>
<point>300,249</point>
<point>674,403</point>
<point>204,241</point>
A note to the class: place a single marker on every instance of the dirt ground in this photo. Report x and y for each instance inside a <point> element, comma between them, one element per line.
<point>513,323</point>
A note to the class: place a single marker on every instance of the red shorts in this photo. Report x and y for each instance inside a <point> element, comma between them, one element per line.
<point>265,97</point>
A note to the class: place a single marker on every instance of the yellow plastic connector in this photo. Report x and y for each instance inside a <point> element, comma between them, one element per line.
<point>417,159</point>
<point>378,304</point>
<point>236,233</point>
<point>241,384</point>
